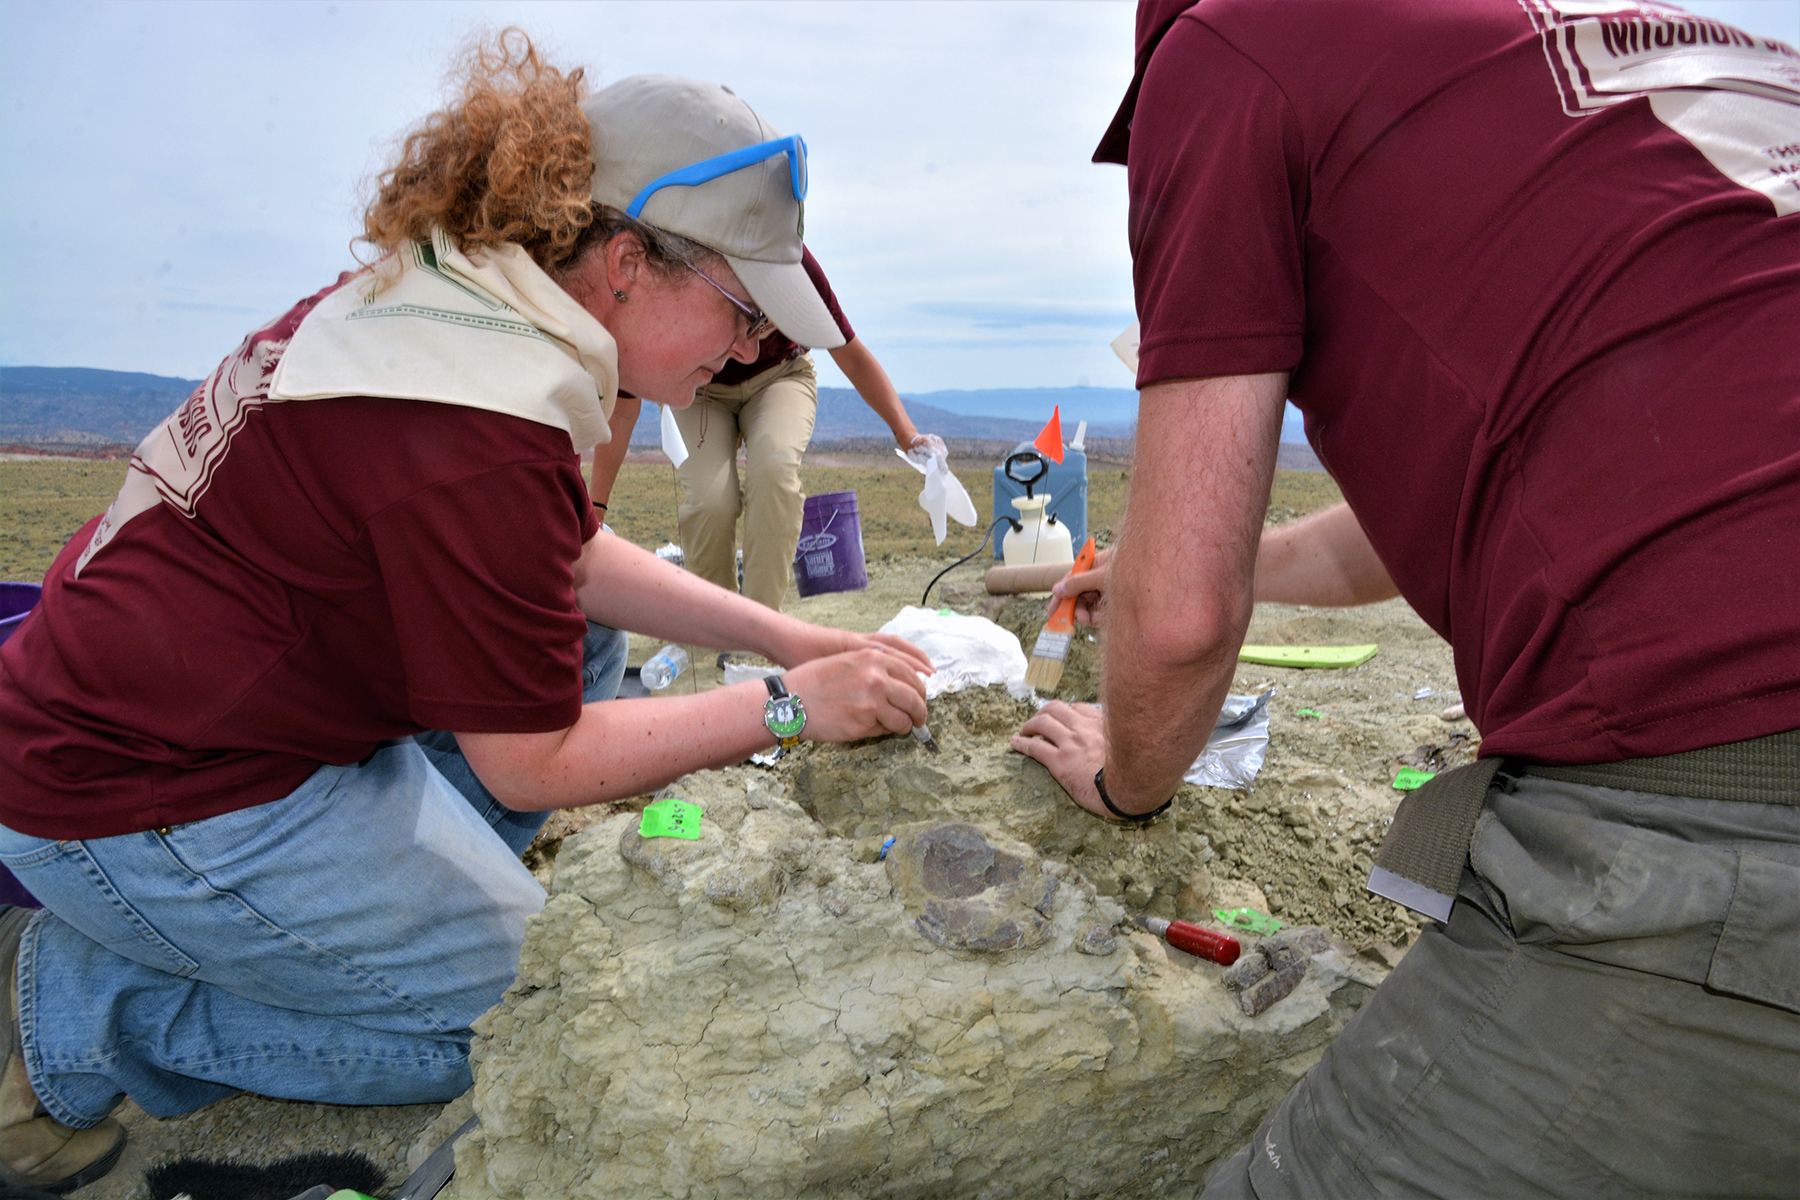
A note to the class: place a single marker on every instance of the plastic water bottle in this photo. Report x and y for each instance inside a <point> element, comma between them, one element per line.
<point>663,667</point>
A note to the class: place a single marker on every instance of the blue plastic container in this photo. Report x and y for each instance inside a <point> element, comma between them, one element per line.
<point>16,599</point>
<point>1067,486</point>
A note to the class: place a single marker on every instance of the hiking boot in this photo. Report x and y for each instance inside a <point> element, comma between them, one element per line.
<point>37,1150</point>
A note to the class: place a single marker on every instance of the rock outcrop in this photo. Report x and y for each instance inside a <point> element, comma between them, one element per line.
<point>1305,838</point>
<point>757,1013</point>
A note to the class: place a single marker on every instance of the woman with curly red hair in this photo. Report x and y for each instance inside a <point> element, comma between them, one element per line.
<point>291,708</point>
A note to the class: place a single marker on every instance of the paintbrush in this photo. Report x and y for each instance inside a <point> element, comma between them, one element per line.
<point>1052,648</point>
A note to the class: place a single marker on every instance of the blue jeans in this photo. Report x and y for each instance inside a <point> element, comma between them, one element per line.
<point>334,945</point>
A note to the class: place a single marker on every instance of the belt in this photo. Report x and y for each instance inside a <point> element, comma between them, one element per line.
<point>1764,770</point>
<point>1421,860</point>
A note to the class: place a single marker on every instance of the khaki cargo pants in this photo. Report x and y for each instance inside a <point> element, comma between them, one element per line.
<point>1612,1010</point>
<point>773,414</point>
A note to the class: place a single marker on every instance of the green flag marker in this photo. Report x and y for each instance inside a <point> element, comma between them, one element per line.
<point>1247,918</point>
<point>671,818</point>
<point>1408,779</point>
<point>1309,712</point>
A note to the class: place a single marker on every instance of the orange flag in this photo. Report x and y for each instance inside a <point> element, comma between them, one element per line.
<point>1049,442</point>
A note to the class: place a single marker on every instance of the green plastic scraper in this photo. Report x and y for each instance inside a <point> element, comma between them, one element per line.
<point>1307,656</point>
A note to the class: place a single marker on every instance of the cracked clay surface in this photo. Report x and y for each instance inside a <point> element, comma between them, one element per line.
<point>757,1013</point>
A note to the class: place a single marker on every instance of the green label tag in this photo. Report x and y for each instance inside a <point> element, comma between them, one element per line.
<point>1247,918</point>
<point>1309,712</point>
<point>671,818</point>
<point>1408,779</point>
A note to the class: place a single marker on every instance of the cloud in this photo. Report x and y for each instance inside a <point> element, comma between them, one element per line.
<point>1024,314</point>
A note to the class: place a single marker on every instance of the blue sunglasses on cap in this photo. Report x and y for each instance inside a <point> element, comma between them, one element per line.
<point>709,169</point>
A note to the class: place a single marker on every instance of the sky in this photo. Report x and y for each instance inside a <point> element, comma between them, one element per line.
<point>173,174</point>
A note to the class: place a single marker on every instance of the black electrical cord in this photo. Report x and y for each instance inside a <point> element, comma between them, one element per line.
<point>998,521</point>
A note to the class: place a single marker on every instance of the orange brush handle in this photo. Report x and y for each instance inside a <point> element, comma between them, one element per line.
<point>1062,617</point>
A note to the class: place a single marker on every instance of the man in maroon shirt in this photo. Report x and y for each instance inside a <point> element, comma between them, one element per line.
<point>1532,271</point>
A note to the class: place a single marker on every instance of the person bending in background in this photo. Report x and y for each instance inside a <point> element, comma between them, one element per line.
<point>1543,328</point>
<point>769,405</point>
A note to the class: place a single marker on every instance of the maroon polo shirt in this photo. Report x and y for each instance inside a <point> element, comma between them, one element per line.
<point>358,570</point>
<point>1544,344</point>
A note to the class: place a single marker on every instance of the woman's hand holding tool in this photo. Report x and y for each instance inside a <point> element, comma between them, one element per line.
<point>861,693</point>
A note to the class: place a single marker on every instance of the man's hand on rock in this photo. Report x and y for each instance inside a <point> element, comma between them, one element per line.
<point>1070,740</point>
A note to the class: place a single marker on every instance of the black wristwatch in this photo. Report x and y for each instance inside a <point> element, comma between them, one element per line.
<point>784,714</point>
<point>1133,818</point>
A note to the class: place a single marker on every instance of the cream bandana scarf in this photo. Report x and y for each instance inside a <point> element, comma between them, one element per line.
<point>489,330</point>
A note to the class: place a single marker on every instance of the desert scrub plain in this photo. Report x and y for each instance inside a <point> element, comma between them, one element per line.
<point>44,501</point>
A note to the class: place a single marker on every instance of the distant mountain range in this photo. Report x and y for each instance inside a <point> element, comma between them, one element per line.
<point>83,405</point>
<point>842,414</point>
<point>80,404</point>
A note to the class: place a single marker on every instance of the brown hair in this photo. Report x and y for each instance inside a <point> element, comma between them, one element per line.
<point>509,162</point>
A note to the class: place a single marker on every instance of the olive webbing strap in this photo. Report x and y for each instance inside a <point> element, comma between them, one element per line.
<point>1764,770</point>
<point>1421,860</point>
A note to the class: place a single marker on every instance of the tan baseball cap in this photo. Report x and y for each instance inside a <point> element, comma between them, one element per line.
<point>650,126</point>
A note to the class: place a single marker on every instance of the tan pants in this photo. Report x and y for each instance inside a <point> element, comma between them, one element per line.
<point>773,414</point>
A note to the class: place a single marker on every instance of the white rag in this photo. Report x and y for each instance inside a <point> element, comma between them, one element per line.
<point>485,330</point>
<point>964,651</point>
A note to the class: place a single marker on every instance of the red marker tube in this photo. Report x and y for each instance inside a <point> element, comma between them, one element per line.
<point>1221,948</point>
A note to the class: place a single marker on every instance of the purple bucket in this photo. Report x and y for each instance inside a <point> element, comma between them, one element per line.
<point>16,599</point>
<point>829,557</point>
<point>13,892</point>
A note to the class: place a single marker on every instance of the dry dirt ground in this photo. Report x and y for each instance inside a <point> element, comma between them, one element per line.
<point>1298,844</point>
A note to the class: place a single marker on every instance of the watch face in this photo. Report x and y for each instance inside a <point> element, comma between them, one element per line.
<point>785,716</point>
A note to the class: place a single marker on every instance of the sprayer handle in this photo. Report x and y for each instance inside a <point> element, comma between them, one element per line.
<point>1027,456</point>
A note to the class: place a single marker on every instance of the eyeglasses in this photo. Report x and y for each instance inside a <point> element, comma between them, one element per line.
<point>708,169</point>
<point>759,320</point>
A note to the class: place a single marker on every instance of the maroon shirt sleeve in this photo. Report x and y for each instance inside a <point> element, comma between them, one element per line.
<point>1217,176</point>
<point>816,273</point>
<point>480,575</point>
